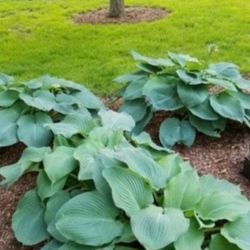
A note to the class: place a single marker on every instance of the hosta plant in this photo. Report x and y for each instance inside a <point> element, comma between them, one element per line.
<point>109,190</point>
<point>30,111</point>
<point>202,97</point>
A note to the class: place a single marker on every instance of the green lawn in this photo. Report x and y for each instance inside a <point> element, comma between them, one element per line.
<point>38,37</point>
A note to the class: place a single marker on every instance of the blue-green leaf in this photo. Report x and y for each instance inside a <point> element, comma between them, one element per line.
<point>129,190</point>
<point>32,131</point>
<point>28,220</point>
<point>156,228</point>
<point>89,219</point>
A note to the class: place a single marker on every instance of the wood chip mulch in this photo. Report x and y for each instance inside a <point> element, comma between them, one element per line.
<point>131,15</point>
<point>222,157</point>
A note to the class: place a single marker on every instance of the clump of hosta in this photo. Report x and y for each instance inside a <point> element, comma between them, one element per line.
<point>30,112</point>
<point>109,190</point>
<point>202,97</point>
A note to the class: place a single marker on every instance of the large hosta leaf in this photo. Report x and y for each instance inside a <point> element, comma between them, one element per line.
<point>204,111</point>
<point>59,163</point>
<point>237,232</point>
<point>223,206</point>
<point>40,99</point>
<point>8,127</point>
<point>243,98</point>
<point>161,92</point>
<point>126,78</point>
<point>143,164</point>
<point>8,97</point>
<point>32,131</point>
<point>28,220</point>
<point>225,70</point>
<point>52,207</point>
<point>181,59</point>
<point>218,242</point>
<point>174,131</point>
<point>205,127</point>
<point>116,121</point>
<point>161,62</point>
<point>226,84</point>
<point>142,123</point>
<point>130,191</point>
<point>183,191</point>
<point>192,95</point>
<point>136,108</point>
<point>144,140</point>
<point>211,185</point>
<point>134,89</point>
<point>87,99</point>
<point>156,228</point>
<point>73,124</point>
<point>192,239</point>
<point>227,106</point>
<point>89,219</point>
<point>190,78</point>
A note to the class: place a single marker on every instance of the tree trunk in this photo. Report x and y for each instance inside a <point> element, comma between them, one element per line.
<point>116,8</point>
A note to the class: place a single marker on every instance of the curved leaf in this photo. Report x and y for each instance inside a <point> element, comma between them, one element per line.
<point>218,242</point>
<point>8,127</point>
<point>161,92</point>
<point>156,228</point>
<point>89,219</point>
<point>8,97</point>
<point>134,89</point>
<point>140,162</point>
<point>204,111</point>
<point>45,188</point>
<point>237,232</point>
<point>130,191</point>
<point>73,124</point>
<point>183,191</point>
<point>227,106</point>
<point>192,95</point>
<point>192,239</point>
<point>136,108</point>
<point>40,99</point>
<point>32,131</point>
<point>28,220</point>
<point>223,206</point>
<point>174,131</point>
<point>203,126</point>
<point>116,121</point>
<point>59,163</point>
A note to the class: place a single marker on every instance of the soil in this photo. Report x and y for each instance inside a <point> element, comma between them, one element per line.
<point>130,15</point>
<point>223,158</point>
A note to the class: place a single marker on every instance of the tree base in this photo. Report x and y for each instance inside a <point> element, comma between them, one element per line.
<point>130,15</point>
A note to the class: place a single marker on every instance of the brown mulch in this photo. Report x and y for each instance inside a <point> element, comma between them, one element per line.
<point>222,157</point>
<point>131,15</point>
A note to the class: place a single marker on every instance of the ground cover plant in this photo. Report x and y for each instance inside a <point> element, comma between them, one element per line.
<point>108,189</point>
<point>50,43</point>
<point>31,111</point>
<point>203,97</point>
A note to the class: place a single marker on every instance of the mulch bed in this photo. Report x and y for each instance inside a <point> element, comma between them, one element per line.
<point>222,157</point>
<point>131,15</point>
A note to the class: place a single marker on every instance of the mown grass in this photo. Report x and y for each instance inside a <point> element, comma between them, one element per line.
<point>38,37</point>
